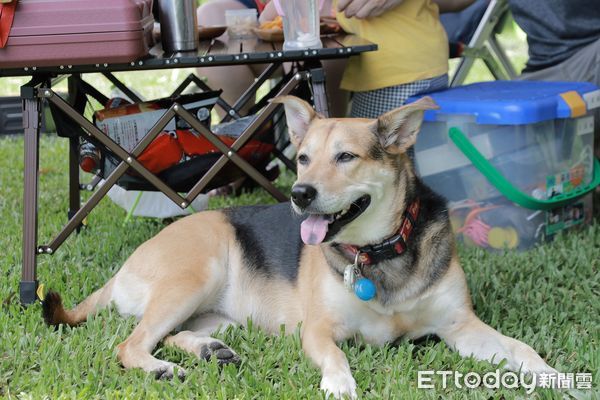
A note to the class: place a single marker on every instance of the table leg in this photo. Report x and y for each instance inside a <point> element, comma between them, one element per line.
<point>317,83</point>
<point>74,196</point>
<point>31,125</point>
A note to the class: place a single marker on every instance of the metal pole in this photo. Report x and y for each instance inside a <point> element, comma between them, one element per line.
<point>74,199</point>
<point>31,125</point>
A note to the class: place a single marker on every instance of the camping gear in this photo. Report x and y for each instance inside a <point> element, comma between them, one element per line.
<point>512,148</point>
<point>67,32</point>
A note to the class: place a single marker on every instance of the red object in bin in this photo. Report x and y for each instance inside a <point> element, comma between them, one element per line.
<point>63,32</point>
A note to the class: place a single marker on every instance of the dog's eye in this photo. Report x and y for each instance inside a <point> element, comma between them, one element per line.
<point>303,159</point>
<point>345,157</point>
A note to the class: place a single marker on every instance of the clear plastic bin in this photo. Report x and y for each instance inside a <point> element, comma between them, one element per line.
<point>514,159</point>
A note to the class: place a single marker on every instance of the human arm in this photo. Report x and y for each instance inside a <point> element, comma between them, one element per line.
<point>270,13</point>
<point>366,8</point>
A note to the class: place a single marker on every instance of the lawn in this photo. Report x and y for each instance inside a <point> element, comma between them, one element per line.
<point>547,297</point>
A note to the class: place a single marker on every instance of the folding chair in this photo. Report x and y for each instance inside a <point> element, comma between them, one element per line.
<point>471,40</point>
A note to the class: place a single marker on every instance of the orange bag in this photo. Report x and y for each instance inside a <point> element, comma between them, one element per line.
<point>168,150</point>
<point>162,153</point>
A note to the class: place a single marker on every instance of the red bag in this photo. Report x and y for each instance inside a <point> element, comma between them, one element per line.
<point>162,153</point>
<point>7,14</point>
<point>168,150</point>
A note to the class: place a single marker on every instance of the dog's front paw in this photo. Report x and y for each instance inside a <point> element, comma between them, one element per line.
<point>528,361</point>
<point>338,385</point>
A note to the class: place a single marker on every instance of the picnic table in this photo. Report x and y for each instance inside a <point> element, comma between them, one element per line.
<point>307,69</point>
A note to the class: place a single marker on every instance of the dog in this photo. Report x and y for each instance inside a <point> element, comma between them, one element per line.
<point>364,249</point>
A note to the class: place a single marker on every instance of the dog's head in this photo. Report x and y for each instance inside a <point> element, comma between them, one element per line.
<point>352,173</point>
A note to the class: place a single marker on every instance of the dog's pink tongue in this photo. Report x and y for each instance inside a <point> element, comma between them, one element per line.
<point>314,229</point>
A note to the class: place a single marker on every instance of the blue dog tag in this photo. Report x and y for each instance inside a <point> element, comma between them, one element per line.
<point>364,289</point>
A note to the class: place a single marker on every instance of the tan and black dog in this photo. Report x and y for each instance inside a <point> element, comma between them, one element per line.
<point>358,213</point>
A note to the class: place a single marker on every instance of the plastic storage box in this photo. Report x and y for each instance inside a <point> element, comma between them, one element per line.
<point>514,159</point>
<point>64,32</point>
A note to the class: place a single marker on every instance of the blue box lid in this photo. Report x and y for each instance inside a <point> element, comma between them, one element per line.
<point>507,102</point>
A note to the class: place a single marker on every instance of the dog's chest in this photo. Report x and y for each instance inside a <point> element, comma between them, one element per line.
<point>354,316</point>
<point>375,329</point>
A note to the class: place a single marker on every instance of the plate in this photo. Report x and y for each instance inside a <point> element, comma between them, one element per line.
<point>209,32</point>
<point>269,35</point>
<point>330,26</point>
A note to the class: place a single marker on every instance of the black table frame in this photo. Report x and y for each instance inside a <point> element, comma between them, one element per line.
<point>210,53</point>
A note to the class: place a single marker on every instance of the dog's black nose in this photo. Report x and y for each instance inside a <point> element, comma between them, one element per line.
<point>303,195</point>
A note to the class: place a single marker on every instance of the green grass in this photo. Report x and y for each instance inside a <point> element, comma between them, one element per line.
<point>547,297</point>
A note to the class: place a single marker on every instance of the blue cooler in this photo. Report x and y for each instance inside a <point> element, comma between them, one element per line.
<point>515,159</point>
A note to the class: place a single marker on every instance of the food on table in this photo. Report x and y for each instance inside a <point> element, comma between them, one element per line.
<point>277,23</point>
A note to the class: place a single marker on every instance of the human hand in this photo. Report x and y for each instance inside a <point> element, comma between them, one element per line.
<point>366,8</point>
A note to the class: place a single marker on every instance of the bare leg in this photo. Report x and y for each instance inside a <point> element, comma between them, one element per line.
<point>234,79</point>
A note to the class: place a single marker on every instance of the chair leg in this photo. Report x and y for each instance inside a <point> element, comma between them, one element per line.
<point>464,66</point>
<point>502,58</point>
<point>492,64</point>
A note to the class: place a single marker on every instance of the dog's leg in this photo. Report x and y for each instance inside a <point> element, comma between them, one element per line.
<point>197,339</point>
<point>470,336</point>
<point>319,345</point>
<point>162,315</point>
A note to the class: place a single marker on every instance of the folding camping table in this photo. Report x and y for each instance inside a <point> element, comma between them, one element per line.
<point>308,69</point>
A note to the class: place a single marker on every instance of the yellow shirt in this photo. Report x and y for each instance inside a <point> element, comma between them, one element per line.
<point>412,45</point>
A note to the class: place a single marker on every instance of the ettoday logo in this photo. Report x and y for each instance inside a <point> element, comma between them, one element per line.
<point>503,379</point>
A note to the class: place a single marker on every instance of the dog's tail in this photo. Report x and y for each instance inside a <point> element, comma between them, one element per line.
<point>55,314</point>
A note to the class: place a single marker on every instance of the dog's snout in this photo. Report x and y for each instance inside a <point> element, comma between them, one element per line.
<point>303,195</point>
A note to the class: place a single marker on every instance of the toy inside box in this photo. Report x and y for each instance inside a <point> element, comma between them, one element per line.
<point>514,159</point>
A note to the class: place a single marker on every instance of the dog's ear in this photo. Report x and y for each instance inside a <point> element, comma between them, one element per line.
<point>397,129</point>
<point>298,114</point>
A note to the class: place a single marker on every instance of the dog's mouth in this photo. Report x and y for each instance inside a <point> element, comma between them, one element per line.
<point>318,228</point>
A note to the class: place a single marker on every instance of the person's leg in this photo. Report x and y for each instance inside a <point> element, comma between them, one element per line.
<point>212,13</point>
<point>583,66</point>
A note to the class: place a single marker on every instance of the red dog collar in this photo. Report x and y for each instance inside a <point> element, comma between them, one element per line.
<point>389,248</point>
